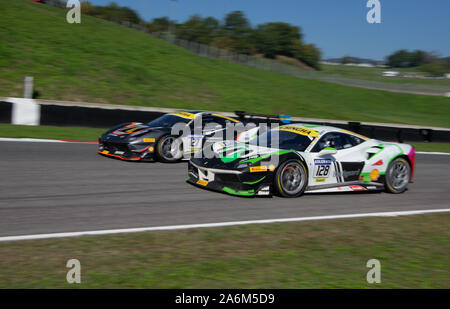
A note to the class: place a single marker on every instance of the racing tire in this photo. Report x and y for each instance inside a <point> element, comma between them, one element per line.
<point>164,149</point>
<point>291,178</point>
<point>397,177</point>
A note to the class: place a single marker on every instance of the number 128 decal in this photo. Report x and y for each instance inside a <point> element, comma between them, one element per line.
<point>322,168</point>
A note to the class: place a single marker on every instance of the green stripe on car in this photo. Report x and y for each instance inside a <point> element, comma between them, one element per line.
<point>241,193</point>
<point>280,152</point>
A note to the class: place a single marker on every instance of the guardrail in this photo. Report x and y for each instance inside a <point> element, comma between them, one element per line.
<point>63,113</point>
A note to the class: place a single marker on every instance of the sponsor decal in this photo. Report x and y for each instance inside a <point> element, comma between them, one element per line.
<point>264,191</point>
<point>379,162</point>
<point>151,149</point>
<point>320,180</point>
<point>374,174</point>
<point>255,169</point>
<point>357,188</point>
<point>300,130</point>
<point>105,152</point>
<point>322,168</point>
<point>149,140</point>
<point>322,161</point>
<point>202,182</point>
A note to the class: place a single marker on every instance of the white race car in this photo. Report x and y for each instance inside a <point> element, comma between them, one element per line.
<point>297,158</point>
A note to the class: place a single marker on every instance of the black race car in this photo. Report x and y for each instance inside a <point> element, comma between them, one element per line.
<point>154,140</point>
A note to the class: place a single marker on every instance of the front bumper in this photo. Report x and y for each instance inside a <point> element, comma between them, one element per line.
<point>230,181</point>
<point>125,151</point>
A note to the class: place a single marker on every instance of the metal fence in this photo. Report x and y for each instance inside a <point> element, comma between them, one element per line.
<point>282,68</point>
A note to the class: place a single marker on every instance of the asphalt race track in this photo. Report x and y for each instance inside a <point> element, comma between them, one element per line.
<point>58,187</point>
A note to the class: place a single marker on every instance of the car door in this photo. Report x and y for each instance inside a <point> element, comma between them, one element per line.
<point>342,167</point>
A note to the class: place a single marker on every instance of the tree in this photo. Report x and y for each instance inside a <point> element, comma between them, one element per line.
<point>435,69</point>
<point>198,29</point>
<point>273,39</point>
<point>238,28</point>
<point>236,23</point>
<point>403,58</point>
<point>346,59</point>
<point>310,55</point>
<point>112,12</point>
<point>160,24</point>
<point>223,42</point>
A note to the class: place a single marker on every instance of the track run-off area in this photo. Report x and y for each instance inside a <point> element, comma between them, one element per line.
<point>67,188</point>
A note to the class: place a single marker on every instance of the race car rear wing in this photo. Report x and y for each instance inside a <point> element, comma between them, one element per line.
<point>255,117</point>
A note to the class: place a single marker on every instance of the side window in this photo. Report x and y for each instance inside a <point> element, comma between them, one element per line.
<point>222,121</point>
<point>347,141</point>
<point>322,143</point>
<point>211,124</point>
<point>335,140</point>
<point>354,140</point>
<point>196,121</point>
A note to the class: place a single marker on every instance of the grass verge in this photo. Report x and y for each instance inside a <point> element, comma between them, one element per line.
<point>413,251</point>
<point>430,147</point>
<point>90,134</point>
<point>50,132</point>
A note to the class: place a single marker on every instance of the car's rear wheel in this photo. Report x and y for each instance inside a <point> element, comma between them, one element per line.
<point>291,178</point>
<point>164,149</point>
<point>397,176</point>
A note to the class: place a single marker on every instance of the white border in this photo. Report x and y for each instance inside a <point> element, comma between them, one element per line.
<point>219,224</point>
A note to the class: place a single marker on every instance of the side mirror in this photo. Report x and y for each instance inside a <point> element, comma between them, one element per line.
<point>327,151</point>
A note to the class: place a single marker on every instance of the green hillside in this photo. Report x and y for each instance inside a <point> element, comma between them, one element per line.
<point>98,61</point>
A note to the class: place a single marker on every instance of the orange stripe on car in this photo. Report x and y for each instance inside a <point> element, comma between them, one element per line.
<point>117,156</point>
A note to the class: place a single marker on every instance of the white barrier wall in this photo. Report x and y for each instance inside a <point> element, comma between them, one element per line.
<point>25,112</point>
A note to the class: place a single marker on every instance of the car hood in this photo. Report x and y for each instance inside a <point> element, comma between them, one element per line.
<point>126,131</point>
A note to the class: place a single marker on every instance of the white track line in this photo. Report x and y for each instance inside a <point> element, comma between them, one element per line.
<point>434,153</point>
<point>39,140</point>
<point>219,224</point>
<point>29,140</point>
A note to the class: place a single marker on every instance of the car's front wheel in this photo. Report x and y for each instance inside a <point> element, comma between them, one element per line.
<point>164,149</point>
<point>291,178</point>
<point>397,176</point>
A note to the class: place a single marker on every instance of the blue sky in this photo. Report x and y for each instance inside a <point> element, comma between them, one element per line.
<point>337,27</point>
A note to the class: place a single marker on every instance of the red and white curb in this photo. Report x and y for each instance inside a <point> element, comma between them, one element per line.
<point>219,224</point>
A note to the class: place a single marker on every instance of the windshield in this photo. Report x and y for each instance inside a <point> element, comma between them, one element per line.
<point>283,140</point>
<point>167,121</point>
